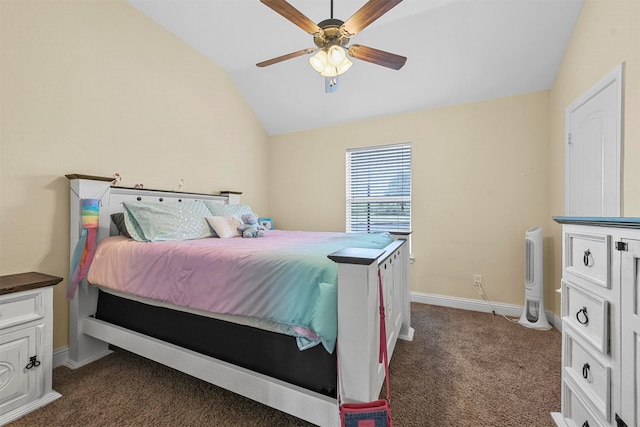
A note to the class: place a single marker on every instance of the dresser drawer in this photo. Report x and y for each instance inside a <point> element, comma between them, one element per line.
<point>19,308</point>
<point>587,313</point>
<point>589,371</point>
<point>576,410</point>
<point>587,256</point>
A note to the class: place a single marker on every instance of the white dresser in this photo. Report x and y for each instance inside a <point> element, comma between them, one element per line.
<point>600,322</point>
<point>26,321</point>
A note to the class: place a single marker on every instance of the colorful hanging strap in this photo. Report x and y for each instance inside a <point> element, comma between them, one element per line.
<point>383,356</point>
<point>86,246</point>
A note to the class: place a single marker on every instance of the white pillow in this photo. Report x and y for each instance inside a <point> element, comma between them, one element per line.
<point>224,226</point>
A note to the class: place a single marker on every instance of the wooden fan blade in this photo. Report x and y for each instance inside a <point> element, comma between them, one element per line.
<point>285,57</point>
<point>293,15</point>
<point>376,56</point>
<point>368,13</point>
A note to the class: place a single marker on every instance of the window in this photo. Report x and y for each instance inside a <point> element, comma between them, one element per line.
<point>379,188</point>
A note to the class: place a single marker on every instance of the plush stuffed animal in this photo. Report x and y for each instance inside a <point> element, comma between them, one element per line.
<point>250,226</point>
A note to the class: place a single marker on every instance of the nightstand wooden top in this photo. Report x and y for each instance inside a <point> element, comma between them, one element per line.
<point>26,281</point>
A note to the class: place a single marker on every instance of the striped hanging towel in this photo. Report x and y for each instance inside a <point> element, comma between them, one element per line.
<point>86,246</point>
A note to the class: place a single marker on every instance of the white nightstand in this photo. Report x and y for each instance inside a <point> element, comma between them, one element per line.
<point>26,329</point>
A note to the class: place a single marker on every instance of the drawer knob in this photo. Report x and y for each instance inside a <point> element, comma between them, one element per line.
<point>585,258</point>
<point>585,371</point>
<point>33,363</point>
<point>584,319</point>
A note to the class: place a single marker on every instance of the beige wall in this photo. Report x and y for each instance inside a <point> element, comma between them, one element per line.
<point>95,87</point>
<point>606,35</point>
<point>480,180</point>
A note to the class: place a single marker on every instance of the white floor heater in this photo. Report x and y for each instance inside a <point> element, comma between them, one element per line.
<point>534,315</point>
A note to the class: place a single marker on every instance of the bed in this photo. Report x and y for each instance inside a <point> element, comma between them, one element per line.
<point>291,369</point>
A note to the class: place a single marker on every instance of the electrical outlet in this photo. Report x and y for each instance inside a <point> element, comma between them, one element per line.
<point>477,279</point>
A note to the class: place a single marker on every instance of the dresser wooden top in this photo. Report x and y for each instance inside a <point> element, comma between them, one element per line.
<point>26,281</point>
<point>620,222</point>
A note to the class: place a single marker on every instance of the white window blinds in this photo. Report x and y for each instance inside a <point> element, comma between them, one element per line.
<point>379,188</point>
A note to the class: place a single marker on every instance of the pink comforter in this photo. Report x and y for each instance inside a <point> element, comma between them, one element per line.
<point>284,277</point>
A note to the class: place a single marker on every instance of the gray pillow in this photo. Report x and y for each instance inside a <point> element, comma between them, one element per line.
<point>118,220</point>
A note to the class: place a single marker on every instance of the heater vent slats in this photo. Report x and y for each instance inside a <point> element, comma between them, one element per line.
<point>529,275</point>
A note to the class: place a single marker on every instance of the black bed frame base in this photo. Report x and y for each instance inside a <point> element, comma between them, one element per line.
<point>266,352</point>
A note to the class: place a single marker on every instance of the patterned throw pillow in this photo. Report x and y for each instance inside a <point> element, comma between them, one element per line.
<point>224,226</point>
<point>158,221</point>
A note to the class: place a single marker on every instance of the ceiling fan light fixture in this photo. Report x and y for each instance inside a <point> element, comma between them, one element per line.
<point>344,66</point>
<point>330,63</point>
<point>329,71</point>
<point>319,61</point>
<point>336,55</point>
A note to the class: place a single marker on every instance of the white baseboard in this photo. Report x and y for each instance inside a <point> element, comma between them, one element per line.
<point>60,356</point>
<point>479,305</point>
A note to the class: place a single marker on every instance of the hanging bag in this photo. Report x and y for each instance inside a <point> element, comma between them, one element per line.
<point>376,413</point>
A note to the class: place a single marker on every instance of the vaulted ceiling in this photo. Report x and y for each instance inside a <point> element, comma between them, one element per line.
<point>458,51</point>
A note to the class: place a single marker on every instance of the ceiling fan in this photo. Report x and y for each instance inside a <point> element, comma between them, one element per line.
<point>331,36</point>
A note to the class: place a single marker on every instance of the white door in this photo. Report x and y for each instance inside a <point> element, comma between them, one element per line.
<point>630,334</point>
<point>593,150</point>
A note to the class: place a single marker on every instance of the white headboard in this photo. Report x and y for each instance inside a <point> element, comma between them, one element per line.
<point>111,199</point>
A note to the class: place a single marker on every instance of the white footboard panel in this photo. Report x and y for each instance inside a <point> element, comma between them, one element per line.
<point>361,372</point>
<point>294,400</point>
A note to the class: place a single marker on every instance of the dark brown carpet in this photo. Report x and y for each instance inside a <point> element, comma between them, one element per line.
<point>463,368</point>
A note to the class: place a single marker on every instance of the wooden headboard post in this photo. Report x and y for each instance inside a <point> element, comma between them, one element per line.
<point>84,349</point>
